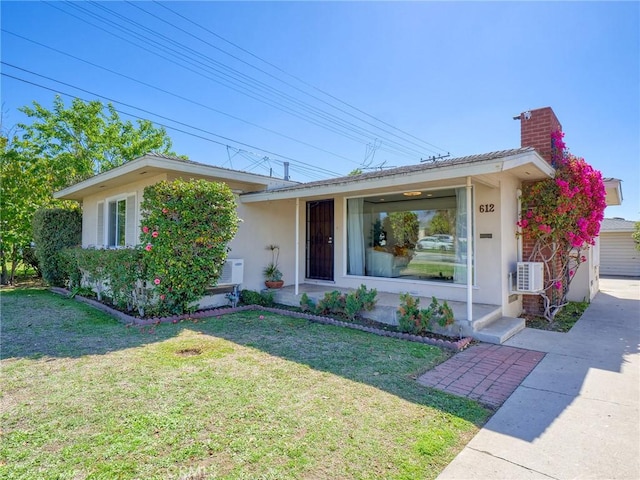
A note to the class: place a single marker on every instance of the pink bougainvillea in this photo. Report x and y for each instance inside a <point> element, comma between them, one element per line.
<point>154,234</point>
<point>145,229</point>
<point>156,281</point>
<point>148,247</point>
<point>562,216</point>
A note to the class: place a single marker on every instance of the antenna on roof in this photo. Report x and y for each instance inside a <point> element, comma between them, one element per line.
<point>433,158</point>
<point>379,167</point>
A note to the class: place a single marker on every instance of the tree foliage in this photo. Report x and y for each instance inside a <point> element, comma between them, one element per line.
<point>23,190</point>
<point>636,235</point>
<point>186,227</point>
<point>85,139</point>
<point>58,147</point>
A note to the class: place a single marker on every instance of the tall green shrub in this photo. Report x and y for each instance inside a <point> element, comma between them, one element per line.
<point>54,230</point>
<point>186,227</point>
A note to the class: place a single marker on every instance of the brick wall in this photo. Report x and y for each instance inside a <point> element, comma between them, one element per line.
<point>536,127</point>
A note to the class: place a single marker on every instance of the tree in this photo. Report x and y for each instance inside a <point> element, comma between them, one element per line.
<point>24,189</point>
<point>59,147</point>
<point>636,236</point>
<point>562,217</point>
<point>85,139</point>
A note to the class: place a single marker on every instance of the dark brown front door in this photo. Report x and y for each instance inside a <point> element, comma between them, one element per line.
<point>320,240</point>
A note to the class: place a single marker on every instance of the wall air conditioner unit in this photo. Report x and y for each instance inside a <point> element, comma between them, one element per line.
<point>530,277</point>
<point>232,272</point>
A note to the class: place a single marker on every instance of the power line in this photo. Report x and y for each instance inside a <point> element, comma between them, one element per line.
<point>261,85</point>
<point>319,169</point>
<point>289,74</point>
<point>181,58</point>
<point>135,32</point>
<point>262,70</point>
<point>177,95</point>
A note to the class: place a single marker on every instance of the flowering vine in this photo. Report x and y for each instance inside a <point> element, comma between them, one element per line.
<point>562,217</point>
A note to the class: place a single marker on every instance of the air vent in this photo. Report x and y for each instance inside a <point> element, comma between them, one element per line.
<point>530,277</point>
<point>232,272</point>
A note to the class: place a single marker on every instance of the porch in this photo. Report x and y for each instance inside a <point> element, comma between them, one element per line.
<point>487,322</point>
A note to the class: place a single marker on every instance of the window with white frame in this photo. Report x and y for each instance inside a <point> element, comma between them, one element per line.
<point>418,235</point>
<point>116,222</point>
<point>117,216</point>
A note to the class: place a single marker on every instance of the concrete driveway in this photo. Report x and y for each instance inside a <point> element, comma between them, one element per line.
<point>577,413</point>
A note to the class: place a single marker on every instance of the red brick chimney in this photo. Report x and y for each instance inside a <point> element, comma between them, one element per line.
<point>536,127</point>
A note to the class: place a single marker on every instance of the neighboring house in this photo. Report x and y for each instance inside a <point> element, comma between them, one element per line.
<point>618,253</point>
<point>351,230</point>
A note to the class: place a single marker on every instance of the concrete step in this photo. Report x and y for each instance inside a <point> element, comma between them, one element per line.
<point>500,330</point>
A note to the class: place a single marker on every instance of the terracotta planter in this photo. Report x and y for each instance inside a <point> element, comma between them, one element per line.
<point>270,284</point>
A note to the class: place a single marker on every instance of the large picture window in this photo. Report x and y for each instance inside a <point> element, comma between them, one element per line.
<point>417,235</point>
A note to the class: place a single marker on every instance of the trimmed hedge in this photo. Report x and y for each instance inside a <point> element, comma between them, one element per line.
<point>54,230</point>
<point>116,276</point>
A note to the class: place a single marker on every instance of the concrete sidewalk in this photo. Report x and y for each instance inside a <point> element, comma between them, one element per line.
<point>577,414</point>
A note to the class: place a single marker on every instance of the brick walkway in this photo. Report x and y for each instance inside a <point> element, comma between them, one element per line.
<point>484,372</point>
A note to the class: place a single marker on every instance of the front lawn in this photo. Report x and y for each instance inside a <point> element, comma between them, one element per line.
<point>233,397</point>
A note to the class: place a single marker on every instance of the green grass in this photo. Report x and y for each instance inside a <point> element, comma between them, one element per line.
<point>233,397</point>
<point>564,320</point>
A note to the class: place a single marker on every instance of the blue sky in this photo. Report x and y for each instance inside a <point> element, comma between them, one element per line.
<point>449,75</point>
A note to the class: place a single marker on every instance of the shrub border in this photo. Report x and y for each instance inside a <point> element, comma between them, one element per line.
<point>456,345</point>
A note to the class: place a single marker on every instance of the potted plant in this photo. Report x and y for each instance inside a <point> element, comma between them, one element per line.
<point>272,273</point>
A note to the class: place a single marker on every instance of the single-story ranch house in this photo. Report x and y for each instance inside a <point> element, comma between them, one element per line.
<point>444,228</point>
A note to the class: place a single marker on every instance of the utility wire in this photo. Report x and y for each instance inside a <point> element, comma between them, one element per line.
<point>249,82</point>
<point>319,169</point>
<point>284,72</point>
<point>181,59</point>
<point>181,55</point>
<point>177,95</point>
<point>422,148</point>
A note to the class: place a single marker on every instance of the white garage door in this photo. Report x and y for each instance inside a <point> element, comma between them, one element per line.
<point>618,255</point>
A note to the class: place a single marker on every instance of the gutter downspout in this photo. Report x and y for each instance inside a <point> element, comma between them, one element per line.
<point>469,253</point>
<point>297,261</point>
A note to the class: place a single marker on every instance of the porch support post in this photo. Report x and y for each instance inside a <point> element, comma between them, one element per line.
<point>469,253</point>
<point>297,262</point>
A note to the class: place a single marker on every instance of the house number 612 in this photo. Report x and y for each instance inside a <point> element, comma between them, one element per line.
<point>487,208</point>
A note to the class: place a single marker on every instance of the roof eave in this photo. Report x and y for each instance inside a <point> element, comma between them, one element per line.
<point>445,172</point>
<point>166,165</point>
<point>613,190</point>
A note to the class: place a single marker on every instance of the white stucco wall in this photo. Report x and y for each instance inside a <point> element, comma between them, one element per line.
<point>265,224</point>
